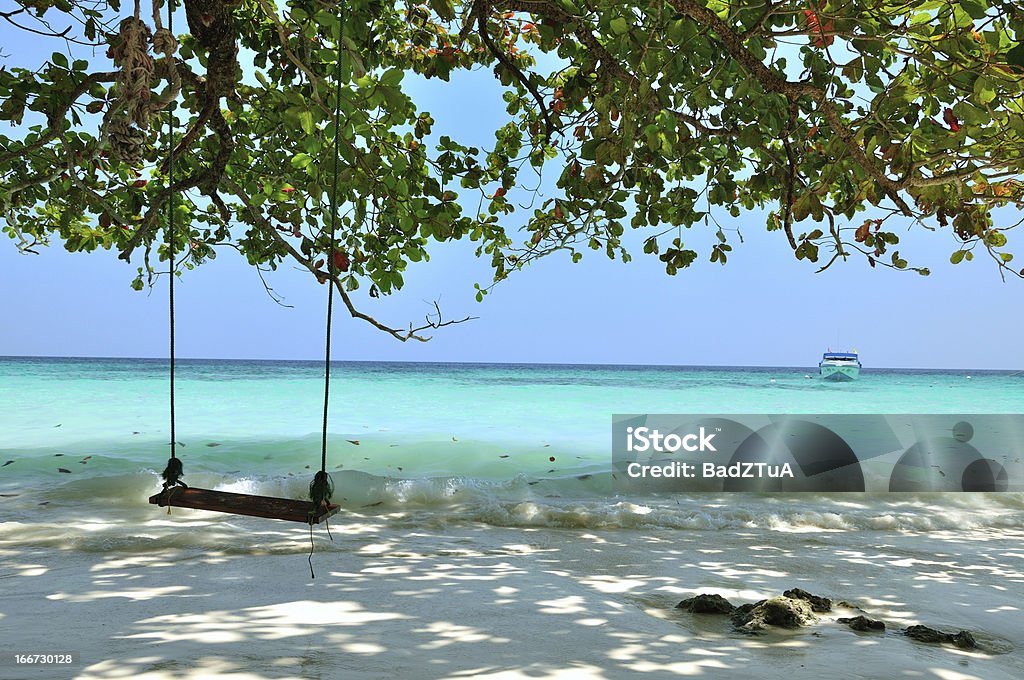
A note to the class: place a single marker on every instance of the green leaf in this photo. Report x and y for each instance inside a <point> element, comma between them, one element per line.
<point>444,9</point>
<point>996,239</point>
<point>984,90</point>
<point>619,26</point>
<point>306,121</point>
<point>957,257</point>
<point>976,9</point>
<point>1015,56</point>
<point>854,70</point>
<point>302,161</point>
<point>392,77</point>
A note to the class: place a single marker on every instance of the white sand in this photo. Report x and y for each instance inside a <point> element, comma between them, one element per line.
<point>392,600</point>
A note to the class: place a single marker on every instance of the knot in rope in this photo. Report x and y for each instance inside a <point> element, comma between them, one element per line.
<point>134,106</point>
<point>131,55</point>
<point>165,43</point>
<point>173,473</point>
<point>127,143</point>
<point>321,489</point>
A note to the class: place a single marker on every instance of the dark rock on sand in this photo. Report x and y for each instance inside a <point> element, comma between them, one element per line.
<point>926,634</point>
<point>963,639</point>
<point>818,604</point>
<point>862,623</point>
<point>784,612</point>
<point>745,609</point>
<point>706,603</point>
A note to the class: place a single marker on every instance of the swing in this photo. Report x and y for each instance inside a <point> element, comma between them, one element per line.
<point>176,493</point>
<point>243,504</point>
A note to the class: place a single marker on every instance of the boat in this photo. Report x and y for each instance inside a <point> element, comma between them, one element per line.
<point>839,366</point>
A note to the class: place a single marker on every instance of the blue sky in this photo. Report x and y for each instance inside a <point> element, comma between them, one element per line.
<point>763,308</point>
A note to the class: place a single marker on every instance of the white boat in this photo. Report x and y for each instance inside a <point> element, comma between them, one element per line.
<point>839,366</point>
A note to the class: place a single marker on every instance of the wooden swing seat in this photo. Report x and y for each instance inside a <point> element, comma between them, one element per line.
<point>243,504</point>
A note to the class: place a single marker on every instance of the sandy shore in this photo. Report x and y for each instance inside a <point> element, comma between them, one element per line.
<point>392,600</point>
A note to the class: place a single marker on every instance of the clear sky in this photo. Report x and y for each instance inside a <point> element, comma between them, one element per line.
<point>763,308</point>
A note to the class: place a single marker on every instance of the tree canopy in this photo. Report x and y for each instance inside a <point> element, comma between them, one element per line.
<point>663,116</point>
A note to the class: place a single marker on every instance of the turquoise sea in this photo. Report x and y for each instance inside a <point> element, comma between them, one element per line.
<point>511,445</point>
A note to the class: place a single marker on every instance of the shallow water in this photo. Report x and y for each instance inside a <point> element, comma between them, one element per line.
<point>431,444</point>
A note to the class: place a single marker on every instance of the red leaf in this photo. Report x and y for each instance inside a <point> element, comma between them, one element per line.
<point>862,232</point>
<point>822,32</point>
<point>139,183</point>
<point>500,191</point>
<point>341,261</point>
<point>288,190</point>
<point>827,37</point>
<point>558,210</point>
<point>951,120</point>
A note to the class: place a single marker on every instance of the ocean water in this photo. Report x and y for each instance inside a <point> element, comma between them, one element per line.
<point>432,444</point>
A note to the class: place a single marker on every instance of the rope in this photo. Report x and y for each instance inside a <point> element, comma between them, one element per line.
<point>127,120</point>
<point>174,471</point>
<point>322,487</point>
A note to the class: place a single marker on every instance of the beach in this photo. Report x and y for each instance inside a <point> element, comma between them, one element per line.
<point>462,550</point>
<point>392,599</point>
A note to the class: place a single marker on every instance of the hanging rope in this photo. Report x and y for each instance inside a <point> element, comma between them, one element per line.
<point>322,487</point>
<point>174,471</point>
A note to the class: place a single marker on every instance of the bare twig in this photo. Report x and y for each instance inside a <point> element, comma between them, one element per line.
<point>413,333</point>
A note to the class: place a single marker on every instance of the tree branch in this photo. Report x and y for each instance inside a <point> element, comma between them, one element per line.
<point>614,68</point>
<point>56,118</point>
<point>261,222</point>
<point>549,126</point>
<point>773,82</point>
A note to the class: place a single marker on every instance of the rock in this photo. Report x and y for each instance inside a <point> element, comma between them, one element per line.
<point>784,612</point>
<point>745,608</point>
<point>926,634</point>
<point>862,623</point>
<point>818,604</point>
<point>963,639</point>
<point>706,603</point>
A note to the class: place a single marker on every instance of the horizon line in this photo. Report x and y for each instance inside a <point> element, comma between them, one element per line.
<point>491,363</point>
